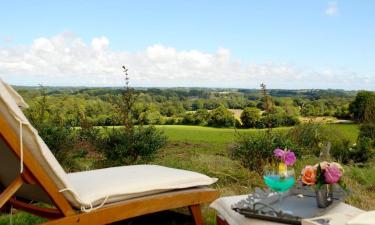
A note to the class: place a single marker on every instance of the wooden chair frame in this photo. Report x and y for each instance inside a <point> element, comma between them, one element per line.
<point>64,213</point>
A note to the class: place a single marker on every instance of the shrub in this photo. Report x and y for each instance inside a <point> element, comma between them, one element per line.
<point>250,117</point>
<point>221,117</point>
<point>342,150</point>
<point>290,121</point>
<point>367,130</point>
<point>308,136</point>
<point>365,147</point>
<point>121,146</point>
<point>256,149</point>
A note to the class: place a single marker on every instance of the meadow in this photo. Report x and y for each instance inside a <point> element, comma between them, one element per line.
<point>208,150</point>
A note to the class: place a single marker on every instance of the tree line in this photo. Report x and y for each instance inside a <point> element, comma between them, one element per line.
<point>194,106</point>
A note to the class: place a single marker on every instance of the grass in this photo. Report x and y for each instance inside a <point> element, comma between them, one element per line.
<point>209,135</point>
<point>198,134</point>
<point>207,150</point>
<point>349,131</point>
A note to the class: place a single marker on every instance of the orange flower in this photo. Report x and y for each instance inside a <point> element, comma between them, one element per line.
<point>309,175</point>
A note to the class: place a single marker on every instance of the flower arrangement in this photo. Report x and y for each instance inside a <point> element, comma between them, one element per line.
<point>322,173</point>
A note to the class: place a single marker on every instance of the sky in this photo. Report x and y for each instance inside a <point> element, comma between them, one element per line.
<point>286,44</point>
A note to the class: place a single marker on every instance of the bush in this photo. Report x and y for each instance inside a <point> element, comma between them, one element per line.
<point>256,149</point>
<point>367,130</point>
<point>253,150</point>
<point>250,117</point>
<point>308,136</point>
<point>122,146</point>
<point>342,151</point>
<point>365,147</point>
<point>221,117</point>
<point>290,121</point>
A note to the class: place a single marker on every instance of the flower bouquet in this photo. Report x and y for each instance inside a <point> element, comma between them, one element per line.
<point>322,176</point>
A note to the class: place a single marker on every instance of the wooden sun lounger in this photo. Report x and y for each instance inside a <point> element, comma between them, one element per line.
<point>63,212</point>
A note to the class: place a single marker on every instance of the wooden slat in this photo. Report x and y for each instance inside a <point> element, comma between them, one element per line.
<point>48,213</point>
<point>10,190</point>
<point>196,212</point>
<point>28,177</point>
<point>141,206</point>
<point>12,140</point>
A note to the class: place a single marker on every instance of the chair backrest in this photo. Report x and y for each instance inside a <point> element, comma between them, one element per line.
<point>11,121</point>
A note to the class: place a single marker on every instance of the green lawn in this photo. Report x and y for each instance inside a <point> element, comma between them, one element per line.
<point>198,134</point>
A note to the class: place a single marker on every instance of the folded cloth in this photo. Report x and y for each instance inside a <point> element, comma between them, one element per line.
<point>366,218</point>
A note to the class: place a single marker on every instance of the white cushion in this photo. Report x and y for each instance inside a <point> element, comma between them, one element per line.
<point>120,183</point>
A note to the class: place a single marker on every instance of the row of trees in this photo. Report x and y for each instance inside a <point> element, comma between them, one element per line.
<point>177,106</point>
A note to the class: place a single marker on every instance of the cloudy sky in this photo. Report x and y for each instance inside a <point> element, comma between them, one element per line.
<point>210,43</point>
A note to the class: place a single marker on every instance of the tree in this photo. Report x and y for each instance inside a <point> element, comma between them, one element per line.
<point>221,117</point>
<point>267,106</point>
<point>362,108</point>
<point>250,117</point>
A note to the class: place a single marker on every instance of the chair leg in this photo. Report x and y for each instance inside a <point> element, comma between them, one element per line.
<point>10,191</point>
<point>196,212</point>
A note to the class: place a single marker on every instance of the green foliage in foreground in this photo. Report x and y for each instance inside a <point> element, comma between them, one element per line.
<point>20,218</point>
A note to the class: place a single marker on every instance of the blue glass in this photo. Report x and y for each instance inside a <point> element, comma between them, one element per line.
<point>279,183</point>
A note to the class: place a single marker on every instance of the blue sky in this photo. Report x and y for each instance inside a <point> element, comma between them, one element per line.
<point>288,44</point>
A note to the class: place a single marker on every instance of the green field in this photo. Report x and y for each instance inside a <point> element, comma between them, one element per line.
<point>198,134</point>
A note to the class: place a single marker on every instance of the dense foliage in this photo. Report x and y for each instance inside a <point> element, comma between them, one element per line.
<point>363,107</point>
<point>221,117</point>
<point>305,139</point>
<point>250,117</point>
<point>179,105</point>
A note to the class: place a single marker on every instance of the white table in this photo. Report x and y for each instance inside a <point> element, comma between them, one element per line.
<point>227,216</point>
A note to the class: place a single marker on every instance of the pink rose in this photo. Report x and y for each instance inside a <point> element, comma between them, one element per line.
<point>332,174</point>
<point>289,158</point>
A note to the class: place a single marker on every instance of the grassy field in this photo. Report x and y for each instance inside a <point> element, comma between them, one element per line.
<point>211,135</point>
<point>207,150</point>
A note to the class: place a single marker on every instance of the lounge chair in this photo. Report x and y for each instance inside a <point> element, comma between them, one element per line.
<point>30,173</point>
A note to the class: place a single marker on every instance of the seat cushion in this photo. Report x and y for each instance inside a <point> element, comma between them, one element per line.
<point>121,183</point>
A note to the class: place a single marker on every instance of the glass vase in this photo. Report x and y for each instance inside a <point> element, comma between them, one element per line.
<point>324,195</point>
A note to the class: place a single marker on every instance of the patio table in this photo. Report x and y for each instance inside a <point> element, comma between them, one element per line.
<point>227,216</point>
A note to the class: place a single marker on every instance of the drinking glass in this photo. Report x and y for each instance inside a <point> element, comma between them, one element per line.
<point>279,178</point>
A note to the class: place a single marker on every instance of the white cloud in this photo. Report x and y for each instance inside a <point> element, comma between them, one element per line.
<point>7,39</point>
<point>66,59</point>
<point>332,9</point>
